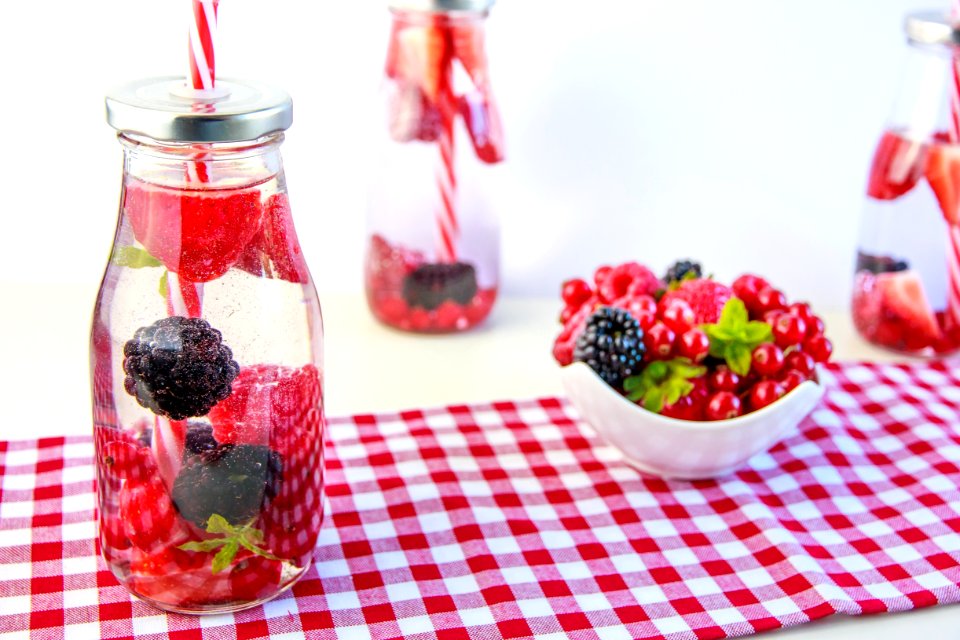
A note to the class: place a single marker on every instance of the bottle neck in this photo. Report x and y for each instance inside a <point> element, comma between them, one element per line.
<point>218,165</point>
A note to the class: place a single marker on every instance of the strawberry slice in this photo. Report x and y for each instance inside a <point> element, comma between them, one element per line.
<point>275,250</point>
<point>468,47</point>
<point>197,234</point>
<point>482,118</point>
<point>943,173</point>
<point>905,301</point>
<point>898,164</point>
<point>422,57</point>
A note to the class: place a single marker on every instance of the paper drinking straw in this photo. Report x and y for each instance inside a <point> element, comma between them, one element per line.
<point>448,227</point>
<point>953,245</point>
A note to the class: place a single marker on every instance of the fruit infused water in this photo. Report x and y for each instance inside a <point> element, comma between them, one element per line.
<point>432,260</point>
<point>206,356</point>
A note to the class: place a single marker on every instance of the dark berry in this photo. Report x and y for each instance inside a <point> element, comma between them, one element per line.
<point>430,285</point>
<point>880,264</point>
<point>178,367</point>
<point>612,345</point>
<point>683,270</point>
<point>229,480</point>
<point>199,438</point>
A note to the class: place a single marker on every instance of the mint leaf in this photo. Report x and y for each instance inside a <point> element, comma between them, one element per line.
<point>133,257</point>
<point>734,314</point>
<point>662,383</point>
<point>758,333</point>
<point>735,336</point>
<point>738,357</point>
<point>653,401</point>
<point>225,556</point>
<point>218,524</point>
<point>164,285</point>
<point>229,544</point>
<point>204,546</point>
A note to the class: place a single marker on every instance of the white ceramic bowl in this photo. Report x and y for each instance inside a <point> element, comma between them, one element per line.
<point>674,448</point>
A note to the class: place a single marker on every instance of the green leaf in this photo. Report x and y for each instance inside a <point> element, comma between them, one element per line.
<point>133,257</point>
<point>758,333</point>
<point>164,285</point>
<point>204,546</point>
<point>718,333</point>
<point>225,556</point>
<point>218,524</point>
<point>653,401</point>
<point>734,315</point>
<point>738,357</point>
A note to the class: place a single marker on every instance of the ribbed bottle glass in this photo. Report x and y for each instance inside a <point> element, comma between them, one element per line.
<point>906,293</point>
<point>433,246</point>
<point>207,372</point>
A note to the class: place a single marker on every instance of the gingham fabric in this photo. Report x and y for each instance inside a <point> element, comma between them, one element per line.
<point>513,520</point>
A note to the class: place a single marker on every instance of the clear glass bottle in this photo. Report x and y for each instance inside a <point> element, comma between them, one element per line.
<point>206,355</point>
<point>433,252</point>
<point>906,294</point>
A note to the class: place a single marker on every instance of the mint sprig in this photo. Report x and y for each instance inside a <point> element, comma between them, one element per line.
<point>662,383</point>
<point>735,336</point>
<point>233,538</point>
<point>133,257</point>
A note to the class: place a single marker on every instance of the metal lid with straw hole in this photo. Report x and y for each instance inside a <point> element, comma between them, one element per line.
<point>442,6</point>
<point>168,110</point>
<point>931,29</point>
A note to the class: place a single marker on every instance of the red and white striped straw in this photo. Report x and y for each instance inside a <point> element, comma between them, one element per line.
<point>953,245</point>
<point>203,37</point>
<point>447,225</point>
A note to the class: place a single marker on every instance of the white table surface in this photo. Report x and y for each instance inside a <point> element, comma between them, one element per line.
<point>44,386</point>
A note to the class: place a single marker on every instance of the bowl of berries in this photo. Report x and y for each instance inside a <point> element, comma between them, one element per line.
<point>688,377</point>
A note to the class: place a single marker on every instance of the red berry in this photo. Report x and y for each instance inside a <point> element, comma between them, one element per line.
<point>678,315</point>
<point>765,393</point>
<point>147,513</point>
<point>623,278</point>
<point>659,341</point>
<point>723,379</point>
<point>771,317</point>
<point>254,577</point>
<point>799,361</point>
<point>770,299</point>
<point>723,405</point>
<point>767,359</point>
<point>801,310</point>
<point>746,287</point>
<point>819,347</point>
<point>694,344</point>
<point>601,274</point>
<point>792,379</point>
<point>815,327</point>
<point>275,250</point>
<point>690,406</point>
<point>636,305</point>
<point>789,330</point>
<point>706,297</point>
<point>567,313</point>
<point>575,292</point>
<point>646,320</point>
<point>127,461</point>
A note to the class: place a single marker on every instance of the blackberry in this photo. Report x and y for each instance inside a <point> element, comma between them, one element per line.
<point>199,438</point>
<point>229,480</point>
<point>612,345</point>
<point>683,269</point>
<point>429,285</point>
<point>178,367</point>
<point>879,264</point>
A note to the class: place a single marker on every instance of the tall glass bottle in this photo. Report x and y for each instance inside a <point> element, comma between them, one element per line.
<point>433,253</point>
<point>206,355</point>
<point>907,283</point>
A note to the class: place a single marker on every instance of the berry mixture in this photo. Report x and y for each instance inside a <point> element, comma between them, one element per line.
<point>686,346</point>
<point>215,510</point>
<point>405,291</point>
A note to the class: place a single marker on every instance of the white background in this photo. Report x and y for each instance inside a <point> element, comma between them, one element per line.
<point>737,132</point>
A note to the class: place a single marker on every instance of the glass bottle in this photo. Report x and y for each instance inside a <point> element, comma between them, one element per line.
<point>906,294</point>
<point>433,247</point>
<point>206,355</point>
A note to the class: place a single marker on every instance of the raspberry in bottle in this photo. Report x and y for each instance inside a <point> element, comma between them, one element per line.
<point>906,294</point>
<point>433,246</point>
<point>206,354</point>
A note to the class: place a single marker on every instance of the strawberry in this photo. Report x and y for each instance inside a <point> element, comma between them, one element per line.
<point>482,118</point>
<point>943,174</point>
<point>629,276</point>
<point>422,56</point>
<point>198,234</point>
<point>275,251</point>
<point>413,116</point>
<point>148,515</point>
<point>704,296</point>
<point>467,41</point>
<point>897,166</point>
<point>905,302</point>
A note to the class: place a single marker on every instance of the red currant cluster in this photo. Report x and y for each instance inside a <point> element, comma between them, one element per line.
<point>725,351</point>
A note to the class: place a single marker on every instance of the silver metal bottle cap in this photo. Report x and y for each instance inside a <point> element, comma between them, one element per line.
<point>441,6</point>
<point>167,109</point>
<point>931,29</point>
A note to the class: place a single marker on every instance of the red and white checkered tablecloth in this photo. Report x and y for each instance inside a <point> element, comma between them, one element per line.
<point>511,520</point>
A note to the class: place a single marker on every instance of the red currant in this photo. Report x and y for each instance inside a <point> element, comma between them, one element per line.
<point>767,359</point>
<point>567,313</point>
<point>723,379</point>
<point>746,287</point>
<point>770,299</point>
<point>601,274</point>
<point>819,347</point>
<point>799,361</point>
<point>723,405</point>
<point>815,327</point>
<point>659,341</point>
<point>694,344</point>
<point>792,379</point>
<point>789,330</point>
<point>801,310</point>
<point>765,393</point>
<point>575,292</point>
<point>771,317</point>
<point>678,315</point>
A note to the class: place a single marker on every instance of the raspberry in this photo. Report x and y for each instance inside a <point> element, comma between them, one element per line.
<point>705,297</point>
<point>147,513</point>
<point>629,276</point>
<point>243,417</point>
<point>565,343</point>
<point>178,367</point>
<point>127,461</point>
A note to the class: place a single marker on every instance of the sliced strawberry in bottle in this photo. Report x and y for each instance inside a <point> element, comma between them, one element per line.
<point>275,250</point>
<point>197,234</point>
<point>898,164</point>
<point>943,173</point>
<point>467,40</point>
<point>422,57</point>
<point>905,301</point>
<point>482,119</point>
